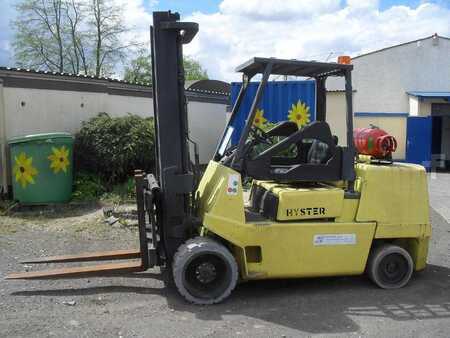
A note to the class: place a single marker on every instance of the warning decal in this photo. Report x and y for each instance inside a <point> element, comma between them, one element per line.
<point>335,239</point>
<point>233,184</point>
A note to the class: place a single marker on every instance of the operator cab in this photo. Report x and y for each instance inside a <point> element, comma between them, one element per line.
<point>286,153</point>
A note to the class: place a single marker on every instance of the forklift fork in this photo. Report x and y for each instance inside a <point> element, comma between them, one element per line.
<point>140,260</point>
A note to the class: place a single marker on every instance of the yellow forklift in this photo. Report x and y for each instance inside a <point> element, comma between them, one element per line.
<point>314,209</point>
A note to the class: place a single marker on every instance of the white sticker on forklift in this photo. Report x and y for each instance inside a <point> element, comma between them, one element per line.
<point>335,239</point>
<point>233,184</point>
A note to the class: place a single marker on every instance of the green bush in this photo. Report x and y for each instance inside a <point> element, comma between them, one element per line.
<point>113,147</point>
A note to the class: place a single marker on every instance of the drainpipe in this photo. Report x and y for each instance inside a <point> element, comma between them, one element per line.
<point>3,162</point>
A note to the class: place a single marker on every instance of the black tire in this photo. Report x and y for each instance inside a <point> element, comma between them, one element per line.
<point>390,266</point>
<point>204,271</point>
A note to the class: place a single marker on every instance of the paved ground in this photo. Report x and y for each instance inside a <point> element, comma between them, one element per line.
<point>439,184</point>
<point>145,306</point>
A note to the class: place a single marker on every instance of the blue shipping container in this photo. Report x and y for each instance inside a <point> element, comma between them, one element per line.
<point>276,103</point>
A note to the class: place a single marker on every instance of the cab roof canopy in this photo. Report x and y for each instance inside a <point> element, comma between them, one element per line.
<point>314,69</point>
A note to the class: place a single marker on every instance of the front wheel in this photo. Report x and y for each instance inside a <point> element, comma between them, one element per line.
<point>390,266</point>
<point>204,271</point>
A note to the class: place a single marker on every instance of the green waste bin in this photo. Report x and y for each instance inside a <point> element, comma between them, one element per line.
<point>42,168</point>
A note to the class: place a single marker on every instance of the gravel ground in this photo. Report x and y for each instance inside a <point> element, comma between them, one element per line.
<point>146,305</point>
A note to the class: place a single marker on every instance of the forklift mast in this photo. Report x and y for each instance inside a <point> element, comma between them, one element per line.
<point>163,200</point>
<point>174,172</point>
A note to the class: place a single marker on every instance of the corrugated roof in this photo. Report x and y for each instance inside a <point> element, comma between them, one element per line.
<point>430,95</point>
<point>214,86</point>
<point>80,76</point>
<point>95,78</point>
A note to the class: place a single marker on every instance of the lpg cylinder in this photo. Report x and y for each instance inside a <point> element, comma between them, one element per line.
<point>375,142</point>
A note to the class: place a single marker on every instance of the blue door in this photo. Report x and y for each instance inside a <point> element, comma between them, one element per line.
<point>418,140</point>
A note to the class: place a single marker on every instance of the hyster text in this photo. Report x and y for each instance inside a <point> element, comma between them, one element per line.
<point>305,212</point>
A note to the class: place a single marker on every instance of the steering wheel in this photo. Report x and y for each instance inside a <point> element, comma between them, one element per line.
<point>259,135</point>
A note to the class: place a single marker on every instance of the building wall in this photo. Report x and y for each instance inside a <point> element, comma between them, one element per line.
<point>336,115</point>
<point>336,112</point>
<point>383,78</point>
<point>414,106</point>
<point>32,111</point>
<point>206,124</point>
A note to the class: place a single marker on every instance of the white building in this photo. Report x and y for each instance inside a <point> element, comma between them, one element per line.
<point>405,89</point>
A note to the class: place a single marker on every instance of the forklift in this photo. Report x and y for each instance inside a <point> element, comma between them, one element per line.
<point>315,209</point>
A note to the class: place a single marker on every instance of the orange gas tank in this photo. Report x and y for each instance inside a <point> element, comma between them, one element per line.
<point>375,142</point>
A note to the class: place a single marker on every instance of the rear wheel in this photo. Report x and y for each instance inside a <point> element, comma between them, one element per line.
<point>390,266</point>
<point>204,271</point>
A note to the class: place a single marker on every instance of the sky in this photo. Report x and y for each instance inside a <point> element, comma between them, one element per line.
<point>232,31</point>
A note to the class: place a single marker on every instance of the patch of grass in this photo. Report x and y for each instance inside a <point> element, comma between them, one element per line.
<point>121,193</point>
<point>89,187</point>
<point>5,206</point>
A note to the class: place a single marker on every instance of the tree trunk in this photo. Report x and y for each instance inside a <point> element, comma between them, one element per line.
<point>57,10</point>
<point>98,23</point>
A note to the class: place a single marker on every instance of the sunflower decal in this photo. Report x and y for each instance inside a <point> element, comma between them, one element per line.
<point>259,119</point>
<point>299,113</point>
<point>24,171</point>
<point>59,159</point>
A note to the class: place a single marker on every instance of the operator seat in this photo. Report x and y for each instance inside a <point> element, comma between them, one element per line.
<point>321,161</point>
<point>319,151</point>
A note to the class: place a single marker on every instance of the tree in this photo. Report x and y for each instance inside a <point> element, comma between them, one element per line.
<point>193,70</point>
<point>77,36</point>
<point>107,26</point>
<point>139,69</point>
<point>38,40</point>
<point>77,53</point>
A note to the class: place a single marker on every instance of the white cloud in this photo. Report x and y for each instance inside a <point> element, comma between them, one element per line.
<point>363,3</point>
<point>137,18</point>
<point>6,15</point>
<point>274,10</point>
<point>305,30</point>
